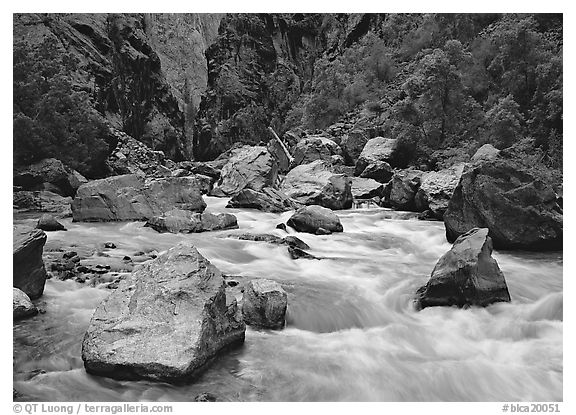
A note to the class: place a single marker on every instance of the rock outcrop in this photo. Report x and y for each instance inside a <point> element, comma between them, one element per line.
<point>465,275</point>
<point>314,148</point>
<point>248,168</point>
<point>184,221</point>
<point>164,322</point>
<point>436,189</point>
<point>315,219</point>
<point>377,149</point>
<point>266,200</point>
<point>28,271</point>
<point>520,209</point>
<point>21,305</point>
<point>130,197</point>
<point>48,223</point>
<point>49,174</point>
<point>133,157</point>
<point>264,304</point>
<point>316,184</point>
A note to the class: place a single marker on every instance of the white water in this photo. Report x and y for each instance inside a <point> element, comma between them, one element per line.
<point>352,333</point>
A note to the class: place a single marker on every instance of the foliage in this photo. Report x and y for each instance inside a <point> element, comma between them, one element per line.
<point>51,118</point>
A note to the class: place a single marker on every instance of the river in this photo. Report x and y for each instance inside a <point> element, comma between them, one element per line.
<point>352,333</point>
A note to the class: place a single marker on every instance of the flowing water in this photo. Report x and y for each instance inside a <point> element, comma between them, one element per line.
<point>352,332</point>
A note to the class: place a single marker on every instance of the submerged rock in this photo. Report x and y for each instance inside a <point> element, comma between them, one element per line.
<point>264,304</point>
<point>266,200</point>
<point>130,197</point>
<point>316,184</point>
<point>248,168</point>
<point>297,253</point>
<point>184,221</point>
<point>164,322</point>
<point>28,271</point>
<point>312,218</point>
<point>21,305</point>
<point>520,209</point>
<point>48,223</point>
<point>465,275</point>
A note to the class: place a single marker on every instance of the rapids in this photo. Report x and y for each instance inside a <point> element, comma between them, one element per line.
<point>352,332</point>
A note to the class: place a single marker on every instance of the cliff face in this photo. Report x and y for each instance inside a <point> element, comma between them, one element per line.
<point>145,73</point>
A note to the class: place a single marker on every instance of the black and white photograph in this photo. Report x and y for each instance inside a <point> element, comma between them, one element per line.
<point>286,207</point>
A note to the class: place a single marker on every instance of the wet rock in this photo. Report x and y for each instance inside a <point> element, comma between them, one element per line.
<point>400,192</point>
<point>314,148</point>
<point>281,226</point>
<point>312,218</point>
<point>436,189</point>
<point>249,168</point>
<point>376,150</point>
<point>465,275</point>
<point>205,397</point>
<point>264,304</point>
<point>28,272</point>
<point>297,253</point>
<point>486,152</point>
<point>316,184</point>
<point>295,242</point>
<point>48,223</point>
<point>518,207</point>
<point>366,188</point>
<point>164,322</point>
<point>259,237</point>
<point>184,221</point>
<point>109,245</point>
<point>21,305</point>
<point>266,200</point>
<point>50,174</point>
<point>130,197</point>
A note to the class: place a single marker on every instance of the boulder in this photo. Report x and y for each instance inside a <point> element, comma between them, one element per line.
<point>289,240</point>
<point>352,145</point>
<point>297,253</point>
<point>366,188</point>
<point>264,304</point>
<point>275,148</point>
<point>266,200</point>
<point>21,305</point>
<point>49,174</point>
<point>184,221</point>
<point>134,157</point>
<point>314,148</point>
<point>312,218</point>
<point>42,201</point>
<point>436,189</point>
<point>130,197</point>
<point>205,168</point>
<point>401,191</point>
<point>165,321</point>
<point>316,184</point>
<point>249,168</point>
<point>465,275</point>
<point>28,271</point>
<point>518,207</point>
<point>380,171</point>
<point>486,152</point>
<point>48,223</point>
<point>377,149</point>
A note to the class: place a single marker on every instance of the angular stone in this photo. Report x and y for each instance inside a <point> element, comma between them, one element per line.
<point>21,305</point>
<point>266,200</point>
<point>264,304</point>
<point>436,189</point>
<point>48,223</point>
<point>28,272</point>
<point>311,218</point>
<point>376,149</point>
<point>366,188</point>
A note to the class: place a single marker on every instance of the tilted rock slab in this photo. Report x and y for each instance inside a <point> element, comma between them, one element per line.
<point>28,272</point>
<point>130,197</point>
<point>465,275</point>
<point>164,322</point>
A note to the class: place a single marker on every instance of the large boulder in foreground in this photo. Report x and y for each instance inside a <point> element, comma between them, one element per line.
<point>28,271</point>
<point>400,192</point>
<point>465,275</point>
<point>248,168</point>
<point>184,221</point>
<point>315,219</point>
<point>164,322</point>
<point>49,174</point>
<point>315,184</point>
<point>266,200</point>
<point>264,304</point>
<point>376,150</point>
<point>314,148</point>
<point>130,197</point>
<point>21,305</point>
<point>520,210</point>
<point>436,189</point>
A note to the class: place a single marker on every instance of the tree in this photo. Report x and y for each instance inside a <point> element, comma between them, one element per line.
<point>504,123</point>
